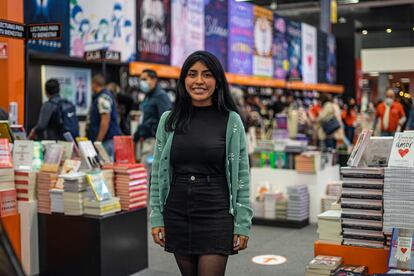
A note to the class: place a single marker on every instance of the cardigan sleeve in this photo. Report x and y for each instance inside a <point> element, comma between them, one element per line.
<point>243,214</point>
<point>156,217</point>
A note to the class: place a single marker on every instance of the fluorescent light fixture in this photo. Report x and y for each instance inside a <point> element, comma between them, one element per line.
<point>347,2</point>
<point>364,32</point>
<point>273,5</point>
<point>388,30</point>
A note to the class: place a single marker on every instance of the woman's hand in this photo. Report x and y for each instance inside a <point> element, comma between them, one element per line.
<point>158,234</point>
<point>240,242</point>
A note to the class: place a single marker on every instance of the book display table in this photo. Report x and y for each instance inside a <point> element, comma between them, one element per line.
<point>85,245</point>
<point>376,259</point>
<point>280,179</point>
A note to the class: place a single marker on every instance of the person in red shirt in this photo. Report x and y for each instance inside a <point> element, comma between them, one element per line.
<point>349,118</point>
<point>391,114</point>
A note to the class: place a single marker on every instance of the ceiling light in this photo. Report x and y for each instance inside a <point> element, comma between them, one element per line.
<point>364,32</point>
<point>413,29</point>
<point>273,5</point>
<point>389,30</point>
<point>346,2</point>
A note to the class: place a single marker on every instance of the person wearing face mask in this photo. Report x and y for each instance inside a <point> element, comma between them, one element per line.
<point>391,115</point>
<point>155,103</point>
<point>349,118</point>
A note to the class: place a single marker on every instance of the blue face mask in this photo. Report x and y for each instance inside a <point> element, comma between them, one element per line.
<point>144,86</point>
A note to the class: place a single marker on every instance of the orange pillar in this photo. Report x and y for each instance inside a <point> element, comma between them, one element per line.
<point>12,68</point>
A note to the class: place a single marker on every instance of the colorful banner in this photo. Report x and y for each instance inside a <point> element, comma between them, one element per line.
<point>187,36</point>
<point>331,59</point>
<point>75,85</point>
<point>97,24</point>
<point>240,41</point>
<point>280,48</point>
<point>45,12</point>
<point>294,50</point>
<point>216,29</point>
<point>153,31</point>
<point>322,56</point>
<point>309,54</point>
<point>263,40</point>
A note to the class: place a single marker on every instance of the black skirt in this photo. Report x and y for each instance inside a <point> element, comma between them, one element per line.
<point>196,216</point>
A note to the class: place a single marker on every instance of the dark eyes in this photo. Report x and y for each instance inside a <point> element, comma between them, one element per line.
<point>205,75</point>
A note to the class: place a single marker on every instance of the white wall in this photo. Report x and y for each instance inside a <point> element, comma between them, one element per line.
<point>388,60</point>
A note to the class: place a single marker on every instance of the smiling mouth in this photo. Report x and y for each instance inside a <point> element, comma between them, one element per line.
<point>199,90</point>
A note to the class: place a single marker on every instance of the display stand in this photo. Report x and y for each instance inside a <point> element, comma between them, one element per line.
<point>85,245</point>
<point>12,226</point>
<point>29,236</point>
<point>281,222</point>
<point>376,259</point>
<point>280,179</point>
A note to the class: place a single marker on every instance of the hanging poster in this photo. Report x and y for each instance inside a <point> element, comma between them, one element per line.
<point>263,38</point>
<point>240,41</point>
<point>97,24</point>
<point>75,85</point>
<point>153,31</point>
<point>294,50</point>
<point>36,11</point>
<point>331,59</point>
<point>216,29</point>
<point>309,54</point>
<point>322,56</point>
<point>280,48</point>
<point>187,33</point>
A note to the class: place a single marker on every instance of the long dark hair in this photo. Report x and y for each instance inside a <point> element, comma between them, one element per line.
<point>180,116</point>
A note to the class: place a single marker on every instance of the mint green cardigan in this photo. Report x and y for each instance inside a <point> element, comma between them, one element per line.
<point>237,174</point>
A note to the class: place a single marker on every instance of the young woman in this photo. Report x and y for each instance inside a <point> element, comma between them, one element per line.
<point>199,192</point>
<point>328,111</point>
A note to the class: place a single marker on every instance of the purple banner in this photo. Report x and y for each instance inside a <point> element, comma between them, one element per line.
<point>216,29</point>
<point>154,31</point>
<point>280,48</point>
<point>294,36</point>
<point>241,40</point>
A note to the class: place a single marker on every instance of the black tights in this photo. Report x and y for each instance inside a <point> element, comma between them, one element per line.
<point>201,265</point>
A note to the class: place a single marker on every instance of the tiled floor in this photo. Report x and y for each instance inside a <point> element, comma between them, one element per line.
<point>295,245</point>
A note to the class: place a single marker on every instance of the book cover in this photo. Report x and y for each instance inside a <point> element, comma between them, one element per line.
<point>68,149</point>
<point>378,152</point>
<point>54,154</point>
<point>89,155</point>
<point>8,202</point>
<point>5,154</point>
<point>98,186</point>
<point>124,150</point>
<point>280,160</point>
<point>402,152</point>
<point>325,262</point>
<point>23,154</point>
<point>401,250</point>
<point>103,154</point>
<point>359,148</point>
<point>5,131</point>
<point>18,132</point>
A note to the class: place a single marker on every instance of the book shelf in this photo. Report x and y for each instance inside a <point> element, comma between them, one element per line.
<point>281,222</point>
<point>376,259</point>
<point>116,244</point>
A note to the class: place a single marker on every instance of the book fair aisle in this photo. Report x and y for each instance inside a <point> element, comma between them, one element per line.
<point>369,228</point>
<point>69,200</point>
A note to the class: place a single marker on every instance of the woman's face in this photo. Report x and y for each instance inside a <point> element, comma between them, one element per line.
<point>200,84</point>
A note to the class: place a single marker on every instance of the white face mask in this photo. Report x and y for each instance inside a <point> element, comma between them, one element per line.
<point>388,101</point>
<point>144,86</point>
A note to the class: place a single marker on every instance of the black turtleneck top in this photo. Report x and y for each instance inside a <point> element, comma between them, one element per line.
<point>202,149</point>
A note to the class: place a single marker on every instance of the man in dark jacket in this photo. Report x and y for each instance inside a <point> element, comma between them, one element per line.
<point>47,126</point>
<point>156,102</point>
<point>103,116</point>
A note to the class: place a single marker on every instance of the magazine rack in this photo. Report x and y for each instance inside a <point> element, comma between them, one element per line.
<point>86,245</point>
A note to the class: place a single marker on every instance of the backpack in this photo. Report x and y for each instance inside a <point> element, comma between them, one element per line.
<point>67,121</point>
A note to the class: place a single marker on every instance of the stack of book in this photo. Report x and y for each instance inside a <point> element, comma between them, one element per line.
<point>333,191</point>
<point>108,174</point>
<point>101,208</point>
<point>56,200</point>
<point>45,181</point>
<point>281,209</point>
<point>25,185</point>
<point>362,207</point>
<point>270,201</point>
<point>74,193</point>
<point>350,270</point>
<point>131,185</point>
<point>323,265</point>
<point>308,162</point>
<point>329,227</point>
<point>398,199</point>
<point>6,166</point>
<point>298,202</point>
